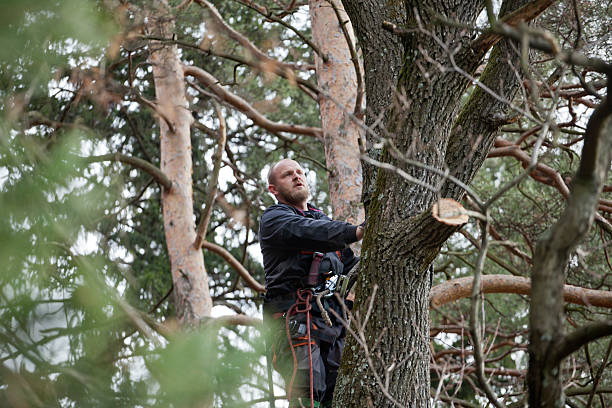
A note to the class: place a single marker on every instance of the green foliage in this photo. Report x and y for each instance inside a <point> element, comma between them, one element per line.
<point>82,245</point>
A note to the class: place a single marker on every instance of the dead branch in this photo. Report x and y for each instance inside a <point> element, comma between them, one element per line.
<point>460,288</point>
<point>237,266</point>
<point>141,164</point>
<point>214,179</point>
<point>243,106</point>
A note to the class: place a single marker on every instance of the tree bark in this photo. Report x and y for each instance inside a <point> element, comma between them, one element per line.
<point>191,292</point>
<point>402,238</point>
<point>337,76</point>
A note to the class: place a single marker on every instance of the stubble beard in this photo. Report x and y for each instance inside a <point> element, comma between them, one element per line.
<point>296,197</point>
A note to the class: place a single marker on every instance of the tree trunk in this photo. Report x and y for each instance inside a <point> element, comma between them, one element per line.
<point>341,134</point>
<point>191,293</point>
<point>425,123</point>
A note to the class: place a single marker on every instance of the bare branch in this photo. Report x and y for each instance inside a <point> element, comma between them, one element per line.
<point>578,338</point>
<point>460,288</point>
<point>243,106</point>
<point>475,327</point>
<point>237,266</point>
<point>214,179</point>
<point>144,165</point>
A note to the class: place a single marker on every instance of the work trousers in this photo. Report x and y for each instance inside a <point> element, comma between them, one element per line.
<point>325,356</point>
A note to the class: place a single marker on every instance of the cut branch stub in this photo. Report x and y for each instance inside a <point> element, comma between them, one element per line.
<point>449,212</point>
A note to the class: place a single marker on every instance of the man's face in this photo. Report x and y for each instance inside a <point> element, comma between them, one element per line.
<point>288,183</point>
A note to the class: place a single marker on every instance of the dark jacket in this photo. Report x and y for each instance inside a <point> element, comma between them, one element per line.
<point>288,238</point>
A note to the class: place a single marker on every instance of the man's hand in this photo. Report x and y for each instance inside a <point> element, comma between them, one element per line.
<point>359,232</point>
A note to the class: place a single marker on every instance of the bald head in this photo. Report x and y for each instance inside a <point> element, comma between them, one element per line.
<point>287,182</point>
<point>276,166</point>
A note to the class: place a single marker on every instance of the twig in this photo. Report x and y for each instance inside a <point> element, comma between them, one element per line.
<point>475,329</point>
<point>597,378</point>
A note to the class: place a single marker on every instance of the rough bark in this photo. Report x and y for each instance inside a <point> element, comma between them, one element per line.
<point>191,291</point>
<point>552,256</point>
<point>402,238</point>
<point>340,134</point>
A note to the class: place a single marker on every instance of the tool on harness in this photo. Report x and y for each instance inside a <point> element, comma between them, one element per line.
<point>296,329</point>
<point>313,273</point>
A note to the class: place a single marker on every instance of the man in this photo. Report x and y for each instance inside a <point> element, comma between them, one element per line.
<point>299,243</point>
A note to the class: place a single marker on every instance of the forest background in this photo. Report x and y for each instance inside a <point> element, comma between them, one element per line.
<point>134,144</point>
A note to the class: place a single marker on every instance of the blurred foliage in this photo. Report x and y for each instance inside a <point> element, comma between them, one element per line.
<point>83,245</point>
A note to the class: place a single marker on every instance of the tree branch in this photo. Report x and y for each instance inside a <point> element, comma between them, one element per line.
<point>214,180</point>
<point>544,42</point>
<point>243,106</point>
<point>526,13</point>
<point>267,14</point>
<point>237,266</point>
<point>242,40</point>
<point>257,64</point>
<point>460,288</point>
<point>578,338</point>
<point>144,165</point>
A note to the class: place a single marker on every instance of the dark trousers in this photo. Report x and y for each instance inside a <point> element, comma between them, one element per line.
<point>325,357</point>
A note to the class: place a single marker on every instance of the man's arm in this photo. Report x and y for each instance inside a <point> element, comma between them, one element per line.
<point>281,227</point>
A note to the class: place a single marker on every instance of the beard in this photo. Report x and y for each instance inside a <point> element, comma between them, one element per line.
<point>295,197</point>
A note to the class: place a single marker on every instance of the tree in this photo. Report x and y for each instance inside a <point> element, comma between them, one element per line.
<point>426,67</point>
<point>122,139</point>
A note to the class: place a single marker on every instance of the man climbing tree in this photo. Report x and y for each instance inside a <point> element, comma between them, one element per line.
<point>303,252</point>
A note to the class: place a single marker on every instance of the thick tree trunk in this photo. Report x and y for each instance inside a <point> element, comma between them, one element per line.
<point>191,292</point>
<point>341,134</point>
<point>402,239</point>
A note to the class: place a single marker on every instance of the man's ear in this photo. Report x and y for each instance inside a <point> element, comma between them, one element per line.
<point>272,190</point>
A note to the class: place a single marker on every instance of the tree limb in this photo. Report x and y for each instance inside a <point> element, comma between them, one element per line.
<point>214,180</point>
<point>526,13</point>
<point>460,288</point>
<point>578,338</point>
<point>243,106</point>
<point>237,266</point>
<point>144,165</point>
